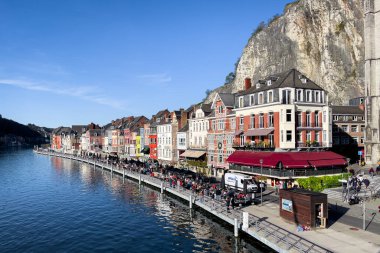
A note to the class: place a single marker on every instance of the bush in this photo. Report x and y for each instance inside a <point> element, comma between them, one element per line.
<point>318,184</point>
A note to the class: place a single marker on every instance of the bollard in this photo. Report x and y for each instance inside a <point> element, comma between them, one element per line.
<point>123,173</point>
<point>162,187</point>
<point>245,221</point>
<point>140,179</point>
<point>191,201</point>
<point>111,170</point>
<point>236,228</point>
<point>94,165</point>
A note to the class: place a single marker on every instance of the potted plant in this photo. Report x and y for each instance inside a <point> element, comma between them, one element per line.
<point>308,143</point>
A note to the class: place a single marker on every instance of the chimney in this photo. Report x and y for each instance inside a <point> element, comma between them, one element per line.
<point>247,83</point>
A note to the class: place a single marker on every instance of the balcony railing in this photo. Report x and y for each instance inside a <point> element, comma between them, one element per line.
<point>275,172</point>
<point>253,146</point>
<point>308,144</point>
<point>308,124</point>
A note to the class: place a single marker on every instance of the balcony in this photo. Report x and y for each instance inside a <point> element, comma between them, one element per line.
<point>309,144</point>
<point>308,125</point>
<point>263,145</point>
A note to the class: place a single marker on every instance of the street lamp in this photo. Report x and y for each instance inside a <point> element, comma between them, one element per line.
<point>261,188</point>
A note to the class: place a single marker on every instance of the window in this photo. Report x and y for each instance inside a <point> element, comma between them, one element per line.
<point>317,96</point>
<point>299,95</point>
<point>211,158</point>
<point>308,136</point>
<point>308,96</point>
<point>354,128</point>
<point>345,118</point>
<point>355,118</point>
<point>355,140</point>
<point>220,158</point>
<point>325,117</point>
<point>241,123</point>
<point>288,115</point>
<point>345,128</point>
<point>261,98</point>
<point>288,135</point>
<point>252,99</point>
<point>362,128</point>
<point>282,135</point>
<point>270,119</point>
<point>269,82</point>
<point>299,118</point>
<point>361,140</point>
<point>220,109</point>
<point>335,117</point>
<point>270,96</point>
<point>261,120</point>
<point>317,136</point>
<point>241,102</point>
<point>233,123</point>
<point>299,137</point>
<point>345,140</point>
<point>271,140</point>
<point>308,119</point>
<point>213,127</point>
<point>241,140</point>
<point>252,121</point>
<point>286,96</point>
<point>316,117</point>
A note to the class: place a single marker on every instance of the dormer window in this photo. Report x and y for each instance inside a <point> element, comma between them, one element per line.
<point>269,82</point>
<point>302,78</point>
<point>257,85</point>
<point>241,102</point>
<point>220,109</point>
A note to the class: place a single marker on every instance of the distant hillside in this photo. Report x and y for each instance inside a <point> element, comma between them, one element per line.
<point>15,134</point>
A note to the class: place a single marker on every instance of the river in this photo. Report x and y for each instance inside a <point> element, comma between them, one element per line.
<point>50,204</point>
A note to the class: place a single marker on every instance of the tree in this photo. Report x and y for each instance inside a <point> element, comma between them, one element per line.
<point>229,78</point>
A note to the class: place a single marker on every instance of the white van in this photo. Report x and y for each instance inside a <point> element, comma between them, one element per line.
<point>236,181</point>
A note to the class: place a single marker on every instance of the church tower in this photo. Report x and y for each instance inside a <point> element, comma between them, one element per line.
<point>372,80</point>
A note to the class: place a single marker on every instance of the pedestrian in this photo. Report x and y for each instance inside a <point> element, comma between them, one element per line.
<point>228,203</point>
<point>233,201</point>
<point>377,170</point>
<point>371,172</point>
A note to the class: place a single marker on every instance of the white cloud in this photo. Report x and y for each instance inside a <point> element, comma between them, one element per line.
<point>87,93</point>
<point>160,78</point>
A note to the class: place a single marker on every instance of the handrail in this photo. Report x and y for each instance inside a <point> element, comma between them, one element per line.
<point>276,233</point>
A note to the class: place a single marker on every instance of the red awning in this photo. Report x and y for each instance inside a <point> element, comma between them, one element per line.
<point>290,160</point>
<point>328,163</point>
<point>258,132</point>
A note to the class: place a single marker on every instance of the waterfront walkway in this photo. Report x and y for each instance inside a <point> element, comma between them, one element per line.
<point>264,223</point>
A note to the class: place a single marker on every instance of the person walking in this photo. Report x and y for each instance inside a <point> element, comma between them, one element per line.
<point>371,172</point>
<point>228,203</point>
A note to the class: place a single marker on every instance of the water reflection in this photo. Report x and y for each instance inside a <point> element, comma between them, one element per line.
<point>189,231</point>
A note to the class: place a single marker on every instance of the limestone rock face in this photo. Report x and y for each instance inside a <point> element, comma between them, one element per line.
<point>322,39</point>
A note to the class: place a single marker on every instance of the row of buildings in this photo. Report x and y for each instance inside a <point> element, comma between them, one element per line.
<point>285,112</point>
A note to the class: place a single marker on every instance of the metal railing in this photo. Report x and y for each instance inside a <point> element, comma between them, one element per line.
<point>258,227</point>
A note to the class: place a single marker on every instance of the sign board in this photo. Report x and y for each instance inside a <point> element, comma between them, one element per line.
<point>287,205</point>
<point>360,152</point>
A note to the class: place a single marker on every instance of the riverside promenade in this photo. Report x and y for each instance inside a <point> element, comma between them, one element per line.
<point>262,223</point>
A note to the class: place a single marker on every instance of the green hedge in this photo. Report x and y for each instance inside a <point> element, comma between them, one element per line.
<point>318,184</point>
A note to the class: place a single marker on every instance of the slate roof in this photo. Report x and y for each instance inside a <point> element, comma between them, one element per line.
<point>228,99</point>
<point>184,129</point>
<point>290,78</point>
<point>346,109</point>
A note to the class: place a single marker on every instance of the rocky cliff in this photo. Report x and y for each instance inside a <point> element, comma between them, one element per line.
<point>321,38</point>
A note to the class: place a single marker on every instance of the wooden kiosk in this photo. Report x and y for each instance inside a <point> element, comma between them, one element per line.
<point>304,207</point>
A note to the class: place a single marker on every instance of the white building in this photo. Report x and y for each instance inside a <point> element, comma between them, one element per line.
<point>198,127</point>
<point>165,141</point>
<point>182,141</point>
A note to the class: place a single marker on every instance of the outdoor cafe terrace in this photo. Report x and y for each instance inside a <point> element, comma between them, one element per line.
<point>287,164</point>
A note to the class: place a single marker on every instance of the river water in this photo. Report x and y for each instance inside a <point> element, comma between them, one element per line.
<point>49,204</point>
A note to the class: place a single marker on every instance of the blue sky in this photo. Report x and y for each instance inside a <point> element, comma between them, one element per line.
<point>81,61</point>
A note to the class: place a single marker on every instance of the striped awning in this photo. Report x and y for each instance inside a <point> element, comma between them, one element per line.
<point>258,132</point>
<point>193,153</point>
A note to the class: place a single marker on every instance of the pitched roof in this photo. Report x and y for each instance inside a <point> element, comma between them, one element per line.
<point>227,99</point>
<point>185,128</point>
<point>291,78</point>
<point>346,109</point>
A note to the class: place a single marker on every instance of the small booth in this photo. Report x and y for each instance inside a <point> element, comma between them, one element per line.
<point>304,207</point>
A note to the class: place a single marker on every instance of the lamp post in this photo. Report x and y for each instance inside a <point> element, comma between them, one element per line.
<point>261,188</point>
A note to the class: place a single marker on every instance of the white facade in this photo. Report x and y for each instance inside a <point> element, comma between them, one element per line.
<point>198,129</point>
<point>182,142</point>
<point>165,142</point>
<point>107,143</point>
<point>84,142</point>
<point>372,80</point>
